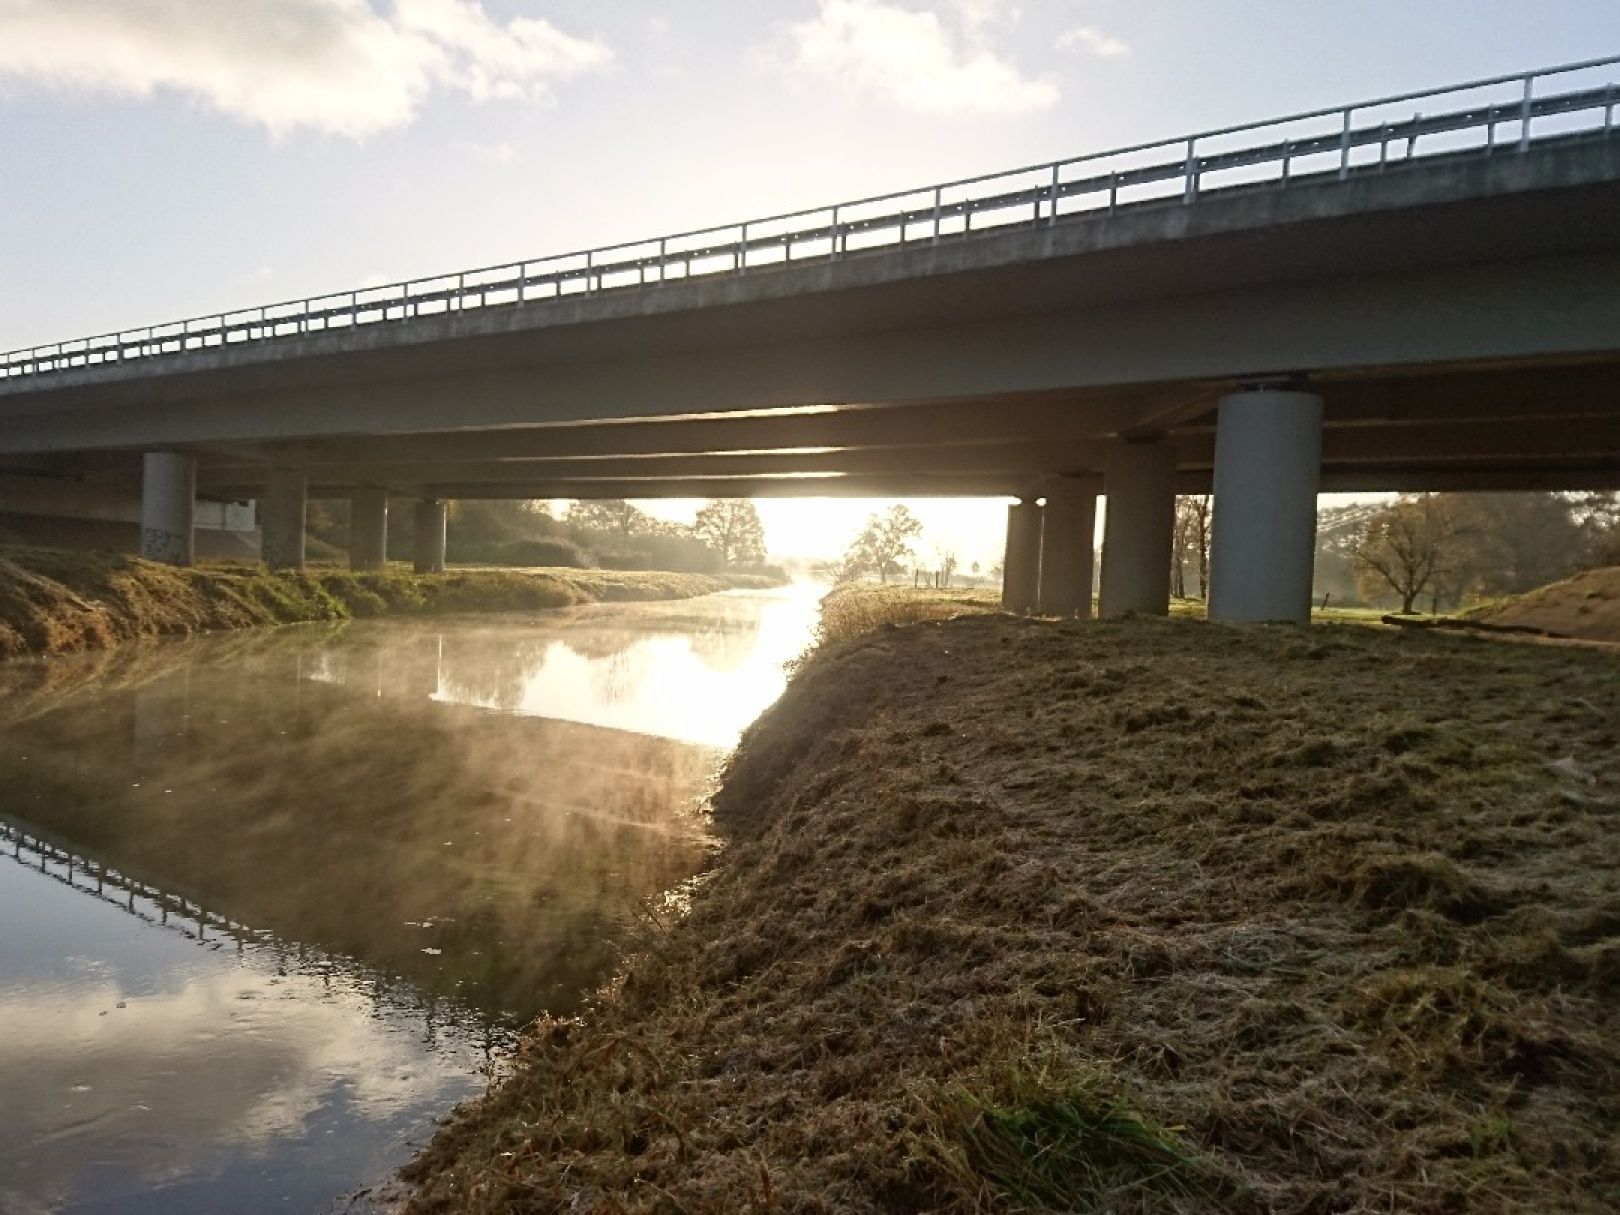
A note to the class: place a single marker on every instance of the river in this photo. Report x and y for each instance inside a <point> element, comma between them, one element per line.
<point>274,901</point>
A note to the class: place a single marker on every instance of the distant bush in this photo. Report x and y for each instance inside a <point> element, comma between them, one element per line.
<point>549,551</point>
<point>609,559</point>
<point>764,569</point>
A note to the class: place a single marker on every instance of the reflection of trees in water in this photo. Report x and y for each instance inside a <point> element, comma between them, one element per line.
<point>618,678</point>
<point>374,827</point>
<point>491,669</point>
<point>727,647</point>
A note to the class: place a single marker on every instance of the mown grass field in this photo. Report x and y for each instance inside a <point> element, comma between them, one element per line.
<point>1132,916</point>
<point>53,601</point>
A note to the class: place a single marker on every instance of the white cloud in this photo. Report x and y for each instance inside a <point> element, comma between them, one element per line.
<point>495,153</point>
<point>340,66</point>
<point>914,57</point>
<point>1090,38</point>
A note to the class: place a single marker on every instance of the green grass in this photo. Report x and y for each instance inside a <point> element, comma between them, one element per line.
<point>1072,1149</point>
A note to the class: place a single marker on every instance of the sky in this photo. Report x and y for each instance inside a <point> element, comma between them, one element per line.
<point>164,158</point>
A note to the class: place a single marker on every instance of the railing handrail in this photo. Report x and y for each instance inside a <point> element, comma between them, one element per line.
<point>398,295</point>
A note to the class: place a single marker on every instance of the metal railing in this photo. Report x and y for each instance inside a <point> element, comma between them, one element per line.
<point>1496,116</point>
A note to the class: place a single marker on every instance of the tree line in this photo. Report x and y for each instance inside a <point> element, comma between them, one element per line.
<point>610,533</point>
<point>1438,550</point>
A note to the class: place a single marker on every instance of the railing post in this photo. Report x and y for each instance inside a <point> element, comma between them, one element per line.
<point>590,275</point>
<point>1191,191</point>
<point>742,249</point>
<point>836,250</point>
<point>523,283</point>
<point>1051,217</point>
<point>937,199</point>
<point>1524,114</point>
<point>354,309</point>
<point>1608,107</point>
<point>1113,190</point>
<point>663,254</point>
<point>1288,156</point>
<point>1344,147</point>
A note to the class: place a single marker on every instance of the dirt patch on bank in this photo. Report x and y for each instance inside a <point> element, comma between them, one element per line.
<point>1584,606</point>
<point>1132,916</point>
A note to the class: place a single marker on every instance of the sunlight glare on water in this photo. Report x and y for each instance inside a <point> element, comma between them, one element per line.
<point>275,900</point>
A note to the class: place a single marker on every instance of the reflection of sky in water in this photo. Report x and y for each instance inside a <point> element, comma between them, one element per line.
<point>667,685</point>
<point>408,867</point>
<point>133,1062</point>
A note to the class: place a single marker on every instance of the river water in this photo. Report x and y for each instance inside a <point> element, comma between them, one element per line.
<point>272,902</point>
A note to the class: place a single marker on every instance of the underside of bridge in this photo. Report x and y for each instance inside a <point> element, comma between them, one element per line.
<point>1450,325</point>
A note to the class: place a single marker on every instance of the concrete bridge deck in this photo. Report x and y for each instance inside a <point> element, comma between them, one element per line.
<point>1440,286</point>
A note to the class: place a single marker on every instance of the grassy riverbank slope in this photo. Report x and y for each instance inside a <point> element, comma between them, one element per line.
<point>53,601</point>
<point>1129,916</point>
<point>1585,605</point>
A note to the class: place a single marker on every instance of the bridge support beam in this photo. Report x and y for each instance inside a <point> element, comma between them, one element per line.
<point>430,524</point>
<point>1069,524</point>
<point>368,529</point>
<point>1268,467</point>
<point>282,513</point>
<point>168,504</point>
<point>1139,480</point>
<point>1021,565</point>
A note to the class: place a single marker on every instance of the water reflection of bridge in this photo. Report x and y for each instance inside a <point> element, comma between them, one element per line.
<point>95,878</point>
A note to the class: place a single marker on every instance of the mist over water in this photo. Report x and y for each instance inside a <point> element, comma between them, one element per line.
<point>272,902</point>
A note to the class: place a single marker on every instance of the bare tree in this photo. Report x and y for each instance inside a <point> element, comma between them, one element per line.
<point>731,527</point>
<point>612,515</point>
<point>886,539</point>
<point>1190,545</point>
<point>1411,546</point>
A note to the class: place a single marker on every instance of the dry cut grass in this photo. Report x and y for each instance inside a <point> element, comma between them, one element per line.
<point>52,601</point>
<point>1585,606</point>
<point>1023,916</point>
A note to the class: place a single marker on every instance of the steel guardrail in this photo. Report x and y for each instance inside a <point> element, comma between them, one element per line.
<point>1356,139</point>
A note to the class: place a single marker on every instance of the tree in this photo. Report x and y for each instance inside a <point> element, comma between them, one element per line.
<point>885,540</point>
<point>1518,541</point>
<point>1412,544</point>
<point>612,515</point>
<point>731,527</point>
<point>1190,545</point>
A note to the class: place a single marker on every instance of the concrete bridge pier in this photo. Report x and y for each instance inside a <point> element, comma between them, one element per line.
<point>430,525</point>
<point>282,513</point>
<point>1268,462</point>
<point>168,507</point>
<point>1068,526</point>
<point>368,529</point>
<point>1021,565</point>
<point>1139,481</point>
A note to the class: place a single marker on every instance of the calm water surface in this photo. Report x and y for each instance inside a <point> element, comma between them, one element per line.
<point>272,902</point>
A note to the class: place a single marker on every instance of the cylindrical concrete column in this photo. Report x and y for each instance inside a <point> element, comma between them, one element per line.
<point>1139,481</point>
<point>1268,467</point>
<point>1068,527</point>
<point>1021,566</point>
<point>430,518</point>
<point>368,529</point>
<point>168,504</point>
<point>281,519</point>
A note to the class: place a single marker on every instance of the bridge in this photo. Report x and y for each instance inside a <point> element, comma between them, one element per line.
<point>1410,293</point>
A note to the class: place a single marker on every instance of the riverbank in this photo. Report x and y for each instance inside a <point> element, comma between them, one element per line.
<point>1140,916</point>
<point>54,601</point>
